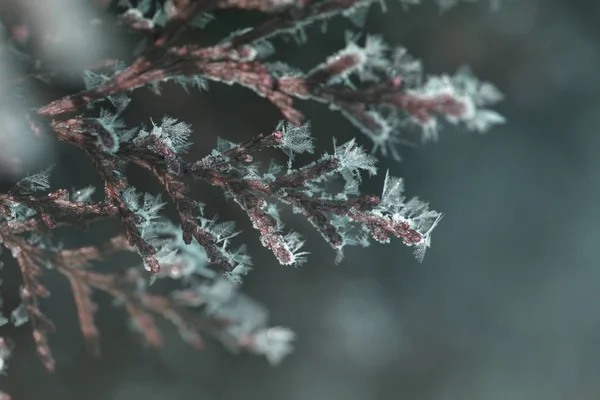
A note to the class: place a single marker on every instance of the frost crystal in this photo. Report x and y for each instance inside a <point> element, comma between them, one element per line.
<point>414,212</point>
<point>175,135</point>
<point>146,213</point>
<point>458,99</point>
<point>274,343</point>
<point>393,188</point>
<point>35,182</point>
<point>110,132</point>
<point>363,61</point>
<point>177,260</point>
<point>353,158</point>
<point>19,315</point>
<point>83,195</point>
<point>296,139</point>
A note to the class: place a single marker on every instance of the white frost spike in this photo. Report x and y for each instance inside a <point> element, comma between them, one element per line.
<point>484,119</point>
<point>19,315</point>
<point>263,49</point>
<point>415,212</point>
<point>354,158</point>
<point>465,90</point>
<point>387,138</point>
<point>239,257</point>
<point>358,16</point>
<point>296,139</point>
<point>151,205</point>
<point>92,79</point>
<point>275,343</point>
<point>224,230</point>
<point>293,242</point>
<point>383,131</point>
<point>423,221</point>
<point>368,59</point>
<point>202,20</point>
<point>244,265</point>
<point>488,94</point>
<point>171,132</point>
<point>39,181</point>
<point>166,256</point>
<point>429,219</point>
<point>217,294</point>
<point>84,195</point>
<point>430,130</point>
<point>170,10</point>
<point>482,93</point>
<point>147,213</point>
<point>406,66</point>
<point>393,188</point>
<point>109,135</point>
<point>178,260</point>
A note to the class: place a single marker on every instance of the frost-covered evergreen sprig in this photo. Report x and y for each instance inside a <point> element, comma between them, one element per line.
<point>332,214</point>
<point>382,90</point>
<point>378,89</point>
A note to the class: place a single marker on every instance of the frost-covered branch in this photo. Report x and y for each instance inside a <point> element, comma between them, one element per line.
<point>382,90</point>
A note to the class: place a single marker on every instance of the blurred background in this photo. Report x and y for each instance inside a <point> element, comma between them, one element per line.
<point>505,304</point>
